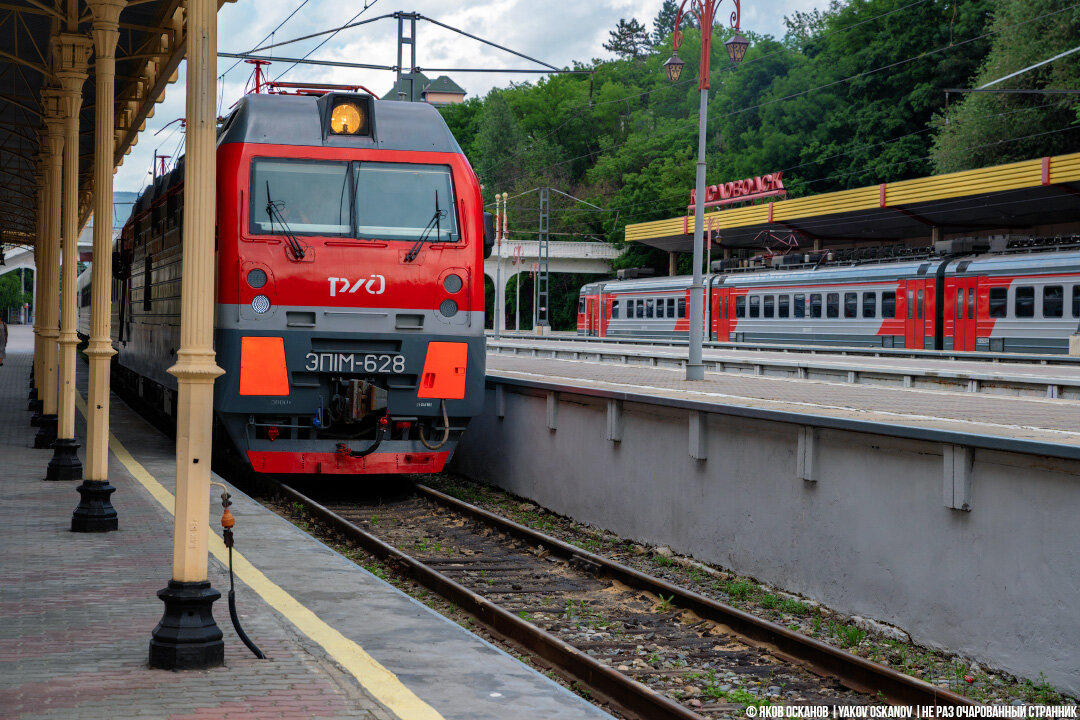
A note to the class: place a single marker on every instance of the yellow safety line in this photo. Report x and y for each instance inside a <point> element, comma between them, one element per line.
<point>376,679</point>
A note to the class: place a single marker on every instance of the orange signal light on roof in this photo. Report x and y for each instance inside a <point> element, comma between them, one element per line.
<point>444,371</point>
<point>262,366</point>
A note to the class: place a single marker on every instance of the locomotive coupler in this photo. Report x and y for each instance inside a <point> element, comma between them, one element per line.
<point>380,433</point>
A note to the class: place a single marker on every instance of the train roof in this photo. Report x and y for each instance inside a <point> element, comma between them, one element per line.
<point>298,120</point>
<point>1026,262</point>
<point>869,273</point>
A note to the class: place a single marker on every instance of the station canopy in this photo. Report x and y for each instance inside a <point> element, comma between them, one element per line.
<point>1005,198</point>
<point>151,47</point>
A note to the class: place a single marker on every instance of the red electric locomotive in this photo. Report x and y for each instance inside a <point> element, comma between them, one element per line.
<point>350,297</point>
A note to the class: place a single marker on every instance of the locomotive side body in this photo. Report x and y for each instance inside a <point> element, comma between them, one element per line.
<point>993,303</point>
<point>349,295</point>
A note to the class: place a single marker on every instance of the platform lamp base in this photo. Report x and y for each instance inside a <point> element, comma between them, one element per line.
<point>95,512</point>
<point>187,638</point>
<point>46,434</point>
<point>65,463</point>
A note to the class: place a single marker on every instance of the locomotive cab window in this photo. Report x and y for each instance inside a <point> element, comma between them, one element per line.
<point>999,302</point>
<point>307,196</point>
<point>398,201</point>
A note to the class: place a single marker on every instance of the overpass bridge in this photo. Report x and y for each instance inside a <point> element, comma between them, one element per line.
<point>511,257</point>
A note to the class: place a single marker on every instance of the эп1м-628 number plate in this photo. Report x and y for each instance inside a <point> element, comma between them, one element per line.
<point>354,362</point>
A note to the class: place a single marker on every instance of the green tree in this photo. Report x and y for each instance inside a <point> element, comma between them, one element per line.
<point>664,22</point>
<point>12,294</point>
<point>989,128</point>
<point>629,39</point>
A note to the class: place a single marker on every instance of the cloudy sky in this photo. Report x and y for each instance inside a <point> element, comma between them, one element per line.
<point>557,32</point>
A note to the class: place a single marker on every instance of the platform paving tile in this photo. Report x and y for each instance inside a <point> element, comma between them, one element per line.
<point>1025,418</point>
<point>78,610</point>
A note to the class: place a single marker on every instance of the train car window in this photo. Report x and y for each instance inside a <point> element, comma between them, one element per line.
<point>918,310</point>
<point>1053,301</point>
<point>971,303</point>
<point>740,306</point>
<point>999,302</point>
<point>869,304</point>
<point>641,308</point>
<point>1024,302</point>
<point>851,305</point>
<point>768,306</point>
<point>614,309</point>
<point>960,304</point>
<point>313,198</point>
<point>784,306</point>
<point>910,304</point>
<point>682,307</point>
<point>888,304</point>
<point>649,308</point>
<point>815,305</point>
<point>800,305</point>
<point>832,305</point>
<point>755,306</point>
<point>581,306</point>
<point>1076,301</point>
<point>396,201</point>
<point>671,307</point>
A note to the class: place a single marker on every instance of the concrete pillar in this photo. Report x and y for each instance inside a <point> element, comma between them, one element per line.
<point>187,636</point>
<point>95,512</point>
<point>672,263</point>
<point>71,57</point>
<point>50,266</point>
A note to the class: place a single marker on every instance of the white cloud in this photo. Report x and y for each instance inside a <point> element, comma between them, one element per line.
<point>557,32</point>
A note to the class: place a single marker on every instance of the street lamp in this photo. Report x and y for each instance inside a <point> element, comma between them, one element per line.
<point>705,11</point>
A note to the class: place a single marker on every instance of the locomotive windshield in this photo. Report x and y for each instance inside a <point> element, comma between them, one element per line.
<point>371,200</point>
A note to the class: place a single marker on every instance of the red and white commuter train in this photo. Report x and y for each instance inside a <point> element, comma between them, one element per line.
<point>1020,302</point>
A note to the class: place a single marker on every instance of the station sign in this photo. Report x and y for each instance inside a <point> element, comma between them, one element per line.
<point>771,185</point>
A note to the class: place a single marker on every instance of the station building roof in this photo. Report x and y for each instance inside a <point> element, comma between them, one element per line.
<point>1005,198</point>
<point>152,45</point>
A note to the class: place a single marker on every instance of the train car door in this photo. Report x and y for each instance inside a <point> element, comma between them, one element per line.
<point>914,313</point>
<point>964,313</point>
<point>720,314</point>
<point>592,316</point>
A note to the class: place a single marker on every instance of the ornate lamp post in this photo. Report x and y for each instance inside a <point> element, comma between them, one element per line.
<point>705,11</point>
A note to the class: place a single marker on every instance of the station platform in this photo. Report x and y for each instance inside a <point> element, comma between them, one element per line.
<point>1049,421</point>
<point>78,609</point>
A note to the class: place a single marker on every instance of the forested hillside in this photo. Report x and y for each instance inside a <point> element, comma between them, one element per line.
<point>852,95</point>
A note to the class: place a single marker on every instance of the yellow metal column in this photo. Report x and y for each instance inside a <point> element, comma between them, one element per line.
<point>50,267</point>
<point>39,251</point>
<point>72,54</point>
<point>95,512</point>
<point>181,641</point>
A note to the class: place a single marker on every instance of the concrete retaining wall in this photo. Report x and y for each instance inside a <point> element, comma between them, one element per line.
<point>867,524</point>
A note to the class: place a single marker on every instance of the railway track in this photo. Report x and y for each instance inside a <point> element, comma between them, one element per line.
<point>646,647</point>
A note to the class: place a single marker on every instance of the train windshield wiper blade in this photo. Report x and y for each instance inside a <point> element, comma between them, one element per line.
<point>273,209</point>
<point>432,224</point>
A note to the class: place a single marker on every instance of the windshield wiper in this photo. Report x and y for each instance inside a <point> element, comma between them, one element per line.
<point>433,224</point>
<point>273,209</point>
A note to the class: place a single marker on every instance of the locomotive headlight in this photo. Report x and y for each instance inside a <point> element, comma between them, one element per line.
<point>256,278</point>
<point>260,304</point>
<point>453,283</point>
<point>347,119</point>
<point>448,308</point>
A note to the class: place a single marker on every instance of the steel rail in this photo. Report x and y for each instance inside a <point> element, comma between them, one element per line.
<point>853,671</point>
<point>629,695</point>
